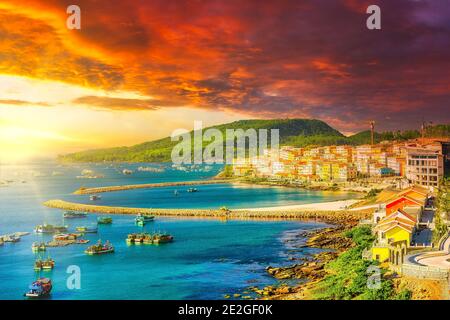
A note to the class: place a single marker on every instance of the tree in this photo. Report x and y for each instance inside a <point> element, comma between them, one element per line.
<point>442,210</point>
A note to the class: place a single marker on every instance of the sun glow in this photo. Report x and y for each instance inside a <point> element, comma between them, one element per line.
<point>41,118</point>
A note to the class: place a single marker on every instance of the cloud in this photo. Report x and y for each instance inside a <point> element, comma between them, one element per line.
<point>23,103</point>
<point>123,103</point>
<point>292,58</point>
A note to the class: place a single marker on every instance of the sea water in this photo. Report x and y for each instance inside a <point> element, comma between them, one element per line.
<point>208,259</point>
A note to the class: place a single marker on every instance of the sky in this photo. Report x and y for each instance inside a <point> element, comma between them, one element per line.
<point>137,70</point>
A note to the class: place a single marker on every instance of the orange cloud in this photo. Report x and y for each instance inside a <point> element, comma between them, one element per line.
<point>270,59</point>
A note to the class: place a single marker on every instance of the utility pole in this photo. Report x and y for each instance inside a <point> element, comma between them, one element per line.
<point>372,131</point>
<point>423,131</point>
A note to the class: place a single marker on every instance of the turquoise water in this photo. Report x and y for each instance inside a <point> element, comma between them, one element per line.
<point>208,259</point>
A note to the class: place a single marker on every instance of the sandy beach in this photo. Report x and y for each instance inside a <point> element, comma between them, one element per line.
<point>320,206</point>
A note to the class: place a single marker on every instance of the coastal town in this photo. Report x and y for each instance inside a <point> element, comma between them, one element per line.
<point>406,193</point>
<point>419,161</point>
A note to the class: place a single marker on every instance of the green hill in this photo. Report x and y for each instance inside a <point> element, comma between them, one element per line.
<point>297,132</point>
<point>293,132</point>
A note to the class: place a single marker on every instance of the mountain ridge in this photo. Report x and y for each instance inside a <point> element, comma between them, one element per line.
<point>295,132</point>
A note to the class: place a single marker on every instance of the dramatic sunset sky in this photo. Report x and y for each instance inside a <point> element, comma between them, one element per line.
<point>137,70</point>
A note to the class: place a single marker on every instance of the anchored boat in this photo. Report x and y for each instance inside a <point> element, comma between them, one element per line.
<point>38,247</point>
<point>40,288</point>
<point>74,215</point>
<point>65,236</point>
<point>104,220</point>
<point>143,218</point>
<point>84,229</point>
<point>149,238</point>
<point>47,264</point>
<point>192,190</point>
<point>11,238</point>
<point>95,197</point>
<point>100,248</point>
<point>48,228</point>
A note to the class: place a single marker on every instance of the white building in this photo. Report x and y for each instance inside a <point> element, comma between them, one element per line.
<point>424,166</point>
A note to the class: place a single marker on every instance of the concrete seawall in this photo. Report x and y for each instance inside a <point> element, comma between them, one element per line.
<point>147,185</point>
<point>326,216</point>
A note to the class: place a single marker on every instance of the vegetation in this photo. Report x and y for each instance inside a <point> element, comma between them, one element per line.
<point>442,210</point>
<point>348,275</point>
<point>293,132</point>
<point>227,171</point>
<point>373,193</point>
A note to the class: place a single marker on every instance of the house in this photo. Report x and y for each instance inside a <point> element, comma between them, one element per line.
<point>411,197</point>
<point>398,226</point>
<point>394,235</point>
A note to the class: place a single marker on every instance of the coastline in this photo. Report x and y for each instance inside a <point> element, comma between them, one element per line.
<point>312,270</point>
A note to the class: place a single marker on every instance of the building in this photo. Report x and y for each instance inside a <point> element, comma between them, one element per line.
<point>412,197</point>
<point>424,166</point>
<point>393,232</point>
<point>396,223</point>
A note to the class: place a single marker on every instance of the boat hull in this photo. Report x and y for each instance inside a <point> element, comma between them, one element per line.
<point>91,253</point>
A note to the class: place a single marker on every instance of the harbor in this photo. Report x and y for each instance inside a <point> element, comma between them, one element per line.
<point>210,225</point>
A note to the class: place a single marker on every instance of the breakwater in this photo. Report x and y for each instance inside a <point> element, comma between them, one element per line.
<point>338,216</point>
<point>148,185</point>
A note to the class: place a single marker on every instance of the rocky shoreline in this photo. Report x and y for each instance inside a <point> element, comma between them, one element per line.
<point>310,270</point>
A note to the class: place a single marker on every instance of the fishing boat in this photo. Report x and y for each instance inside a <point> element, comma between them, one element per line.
<point>47,264</point>
<point>95,197</point>
<point>74,215</point>
<point>140,221</point>
<point>48,228</point>
<point>38,247</point>
<point>100,248</point>
<point>192,190</point>
<point>146,217</point>
<point>104,220</point>
<point>11,238</point>
<point>136,238</point>
<point>65,236</point>
<point>39,288</point>
<point>84,229</point>
<point>149,238</point>
<point>157,238</point>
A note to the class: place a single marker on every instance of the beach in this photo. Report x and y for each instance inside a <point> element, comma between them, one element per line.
<point>318,206</point>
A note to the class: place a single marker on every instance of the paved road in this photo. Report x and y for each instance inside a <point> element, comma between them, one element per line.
<point>442,261</point>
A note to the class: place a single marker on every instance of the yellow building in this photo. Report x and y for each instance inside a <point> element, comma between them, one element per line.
<point>393,232</point>
<point>380,253</point>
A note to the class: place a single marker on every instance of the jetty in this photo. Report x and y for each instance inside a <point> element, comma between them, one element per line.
<point>223,213</point>
<point>95,190</point>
